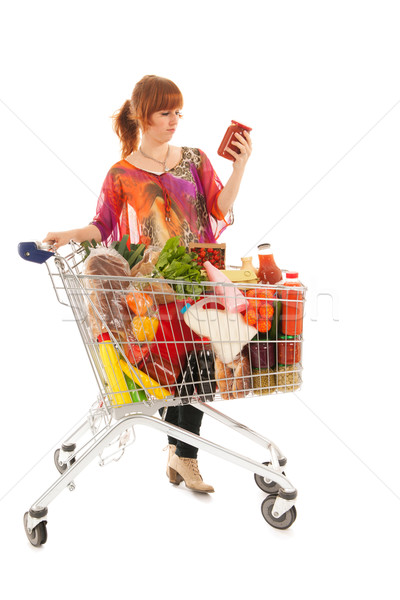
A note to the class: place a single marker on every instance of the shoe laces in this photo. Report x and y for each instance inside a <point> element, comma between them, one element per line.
<point>195,466</point>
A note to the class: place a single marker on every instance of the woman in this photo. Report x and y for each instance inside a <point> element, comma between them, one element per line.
<point>158,191</point>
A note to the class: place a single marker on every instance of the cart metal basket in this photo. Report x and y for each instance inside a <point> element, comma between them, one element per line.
<point>150,350</point>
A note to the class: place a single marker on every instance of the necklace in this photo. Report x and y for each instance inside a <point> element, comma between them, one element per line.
<point>160,162</point>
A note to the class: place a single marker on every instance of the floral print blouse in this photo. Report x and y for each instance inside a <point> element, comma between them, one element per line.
<point>152,208</point>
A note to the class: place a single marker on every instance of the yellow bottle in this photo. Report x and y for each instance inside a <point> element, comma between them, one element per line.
<point>114,373</point>
<point>153,387</point>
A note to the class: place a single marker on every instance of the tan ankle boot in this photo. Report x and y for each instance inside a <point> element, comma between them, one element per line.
<point>171,451</point>
<point>187,470</point>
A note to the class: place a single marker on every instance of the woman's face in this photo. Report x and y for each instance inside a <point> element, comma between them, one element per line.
<point>163,125</point>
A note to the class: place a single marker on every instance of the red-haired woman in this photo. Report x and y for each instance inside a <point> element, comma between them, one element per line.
<point>158,191</point>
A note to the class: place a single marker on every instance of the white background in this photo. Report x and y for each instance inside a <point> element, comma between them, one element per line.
<point>318,82</point>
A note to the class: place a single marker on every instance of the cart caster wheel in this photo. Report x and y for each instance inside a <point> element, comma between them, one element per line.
<point>38,535</point>
<point>268,486</point>
<point>282,522</point>
<point>61,468</point>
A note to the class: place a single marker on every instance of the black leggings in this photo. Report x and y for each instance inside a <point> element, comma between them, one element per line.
<point>188,417</point>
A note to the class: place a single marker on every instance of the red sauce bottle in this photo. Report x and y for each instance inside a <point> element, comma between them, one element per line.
<point>292,309</point>
<point>234,127</point>
<point>268,272</point>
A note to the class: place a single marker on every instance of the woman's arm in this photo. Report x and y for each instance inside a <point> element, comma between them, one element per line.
<point>60,238</point>
<point>228,195</point>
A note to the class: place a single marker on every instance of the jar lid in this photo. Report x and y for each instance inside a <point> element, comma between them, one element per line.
<point>241,125</point>
<point>286,337</point>
<point>264,246</point>
<point>292,275</point>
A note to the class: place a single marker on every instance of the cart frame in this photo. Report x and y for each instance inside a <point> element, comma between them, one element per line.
<point>109,425</point>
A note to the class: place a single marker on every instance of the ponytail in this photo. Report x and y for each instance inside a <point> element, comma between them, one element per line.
<point>127,129</point>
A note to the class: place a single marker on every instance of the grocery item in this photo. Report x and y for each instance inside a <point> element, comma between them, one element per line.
<point>229,137</point>
<point>106,296</point>
<point>174,339</point>
<point>115,376</point>
<point>144,381</point>
<point>240,276</point>
<point>206,385</point>
<point>160,369</point>
<point>198,376</point>
<point>260,309</point>
<point>139,302</point>
<point>264,381</point>
<point>292,305</point>
<point>268,272</point>
<point>247,264</point>
<point>215,253</point>
<point>233,379</point>
<point>133,253</point>
<point>145,328</point>
<point>227,294</point>
<point>137,394</point>
<point>227,332</point>
<point>289,350</point>
<point>288,378</point>
<point>274,331</point>
<point>175,263</point>
<point>262,353</point>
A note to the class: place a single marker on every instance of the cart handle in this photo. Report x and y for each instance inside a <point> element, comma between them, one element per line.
<point>35,251</point>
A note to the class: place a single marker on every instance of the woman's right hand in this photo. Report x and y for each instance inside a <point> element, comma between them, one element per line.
<point>58,238</point>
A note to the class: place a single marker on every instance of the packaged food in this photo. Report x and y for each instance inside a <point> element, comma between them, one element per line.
<point>268,272</point>
<point>145,328</point>
<point>233,379</point>
<point>160,369</point>
<point>288,378</point>
<point>113,370</point>
<point>292,305</point>
<point>247,264</point>
<point>227,293</point>
<point>264,381</point>
<point>260,309</point>
<point>198,376</point>
<point>289,350</point>
<point>215,253</point>
<point>227,332</point>
<point>106,296</point>
<point>174,339</point>
<point>262,354</point>
<point>144,381</point>
<point>229,137</point>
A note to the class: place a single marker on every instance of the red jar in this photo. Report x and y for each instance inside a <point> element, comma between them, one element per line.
<point>234,127</point>
<point>289,350</point>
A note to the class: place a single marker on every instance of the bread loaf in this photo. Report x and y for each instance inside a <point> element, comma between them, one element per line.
<point>233,379</point>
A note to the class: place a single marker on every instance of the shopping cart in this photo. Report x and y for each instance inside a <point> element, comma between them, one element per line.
<point>150,350</point>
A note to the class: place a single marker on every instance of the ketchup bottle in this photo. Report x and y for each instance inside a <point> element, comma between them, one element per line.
<point>292,309</point>
<point>268,272</point>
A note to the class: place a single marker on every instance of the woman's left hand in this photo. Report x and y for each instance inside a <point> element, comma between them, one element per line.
<point>244,146</point>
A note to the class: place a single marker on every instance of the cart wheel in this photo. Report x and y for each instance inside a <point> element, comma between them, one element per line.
<point>268,486</point>
<point>61,468</point>
<point>282,522</point>
<point>38,535</point>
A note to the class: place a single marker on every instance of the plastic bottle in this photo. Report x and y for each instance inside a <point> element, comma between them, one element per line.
<point>227,293</point>
<point>247,264</point>
<point>268,272</point>
<point>227,332</point>
<point>292,306</point>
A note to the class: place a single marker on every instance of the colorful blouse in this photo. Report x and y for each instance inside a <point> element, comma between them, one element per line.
<point>152,208</point>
